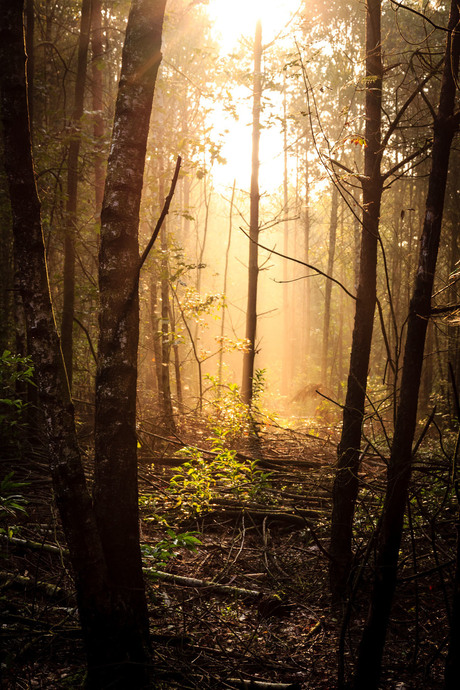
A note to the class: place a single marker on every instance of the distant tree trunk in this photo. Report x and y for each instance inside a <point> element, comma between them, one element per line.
<point>167,409</point>
<point>224,287</point>
<point>253,269</point>
<point>345,488</point>
<point>97,49</point>
<point>30,51</point>
<point>306,230</point>
<point>116,484</point>
<point>177,363</point>
<point>155,323</point>
<point>399,469</point>
<point>286,369</point>
<point>327,299</point>
<point>68,307</point>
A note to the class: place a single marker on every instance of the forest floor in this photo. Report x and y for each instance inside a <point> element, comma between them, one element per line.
<point>247,543</point>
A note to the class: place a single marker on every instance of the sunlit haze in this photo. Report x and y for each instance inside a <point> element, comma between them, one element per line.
<point>234,21</point>
<point>238,18</point>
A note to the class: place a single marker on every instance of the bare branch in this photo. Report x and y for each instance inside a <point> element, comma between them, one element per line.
<point>302,263</point>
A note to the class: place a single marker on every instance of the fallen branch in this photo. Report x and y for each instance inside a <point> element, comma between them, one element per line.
<point>202,584</point>
<point>260,684</point>
<point>22,582</point>
<point>34,545</point>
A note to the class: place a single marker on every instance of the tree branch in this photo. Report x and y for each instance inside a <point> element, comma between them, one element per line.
<point>302,263</point>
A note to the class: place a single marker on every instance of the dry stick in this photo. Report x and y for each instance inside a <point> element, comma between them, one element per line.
<point>163,215</point>
<point>424,431</point>
<point>259,685</point>
<point>302,263</point>
<point>145,253</point>
<point>88,337</point>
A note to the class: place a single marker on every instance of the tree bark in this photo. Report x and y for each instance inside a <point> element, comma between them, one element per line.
<point>253,269</point>
<point>116,485</point>
<point>345,488</point>
<point>399,469</point>
<point>72,497</point>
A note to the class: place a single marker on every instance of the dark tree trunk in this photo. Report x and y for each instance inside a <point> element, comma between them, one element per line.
<point>29,37</point>
<point>399,469</point>
<point>68,307</point>
<point>116,486</point>
<point>72,497</point>
<point>108,575</point>
<point>345,488</point>
<point>253,274</point>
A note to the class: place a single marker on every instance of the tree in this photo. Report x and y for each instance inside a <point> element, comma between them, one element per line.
<point>68,307</point>
<point>399,469</point>
<point>346,480</point>
<point>105,555</point>
<point>253,269</point>
<point>116,491</point>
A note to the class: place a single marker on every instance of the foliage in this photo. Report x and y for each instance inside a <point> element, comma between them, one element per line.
<point>11,502</point>
<point>199,480</point>
<point>169,547</point>
<point>235,419</point>
<point>15,371</point>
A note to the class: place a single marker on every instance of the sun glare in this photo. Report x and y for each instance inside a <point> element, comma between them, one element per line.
<point>238,18</point>
<point>233,21</point>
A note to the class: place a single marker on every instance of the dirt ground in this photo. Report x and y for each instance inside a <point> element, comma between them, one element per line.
<point>268,545</point>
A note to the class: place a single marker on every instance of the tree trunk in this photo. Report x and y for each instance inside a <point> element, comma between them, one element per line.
<point>327,300</point>
<point>224,288</point>
<point>116,484</point>
<point>399,469</point>
<point>97,37</point>
<point>253,269</point>
<point>68,307</point>
<point>306,350</point>
<point>72,497</point>
<point>345,488</point>
<point>166,402</point>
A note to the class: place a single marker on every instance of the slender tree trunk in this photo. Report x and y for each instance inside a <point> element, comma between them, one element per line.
<point>306,230</point>
<point>97,48</point>
<point>168,415</point>
<point>345,488</point>
<point>327,300</point>
<point>399,469</point>
<point>155,322</point>
<point>68,307</point>
<point>116,484</point>
<point>253,269</point>
<point>224,288</point>
<point>29,35</point>
<point>286,370</point>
